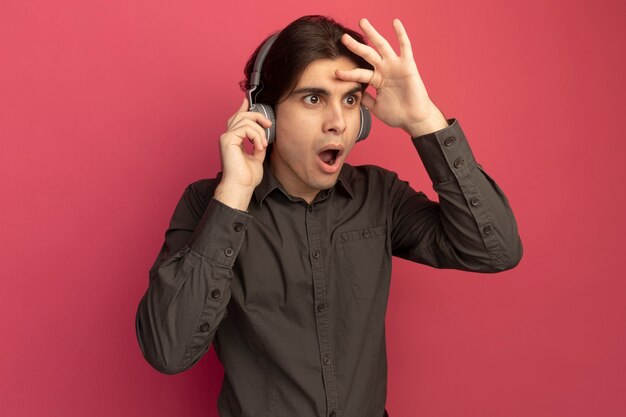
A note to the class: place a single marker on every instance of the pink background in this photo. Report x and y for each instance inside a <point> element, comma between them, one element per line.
<point>109,109</point>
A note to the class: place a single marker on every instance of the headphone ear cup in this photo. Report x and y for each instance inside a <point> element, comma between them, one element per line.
<point>268,112</point>
<point>366,123</point>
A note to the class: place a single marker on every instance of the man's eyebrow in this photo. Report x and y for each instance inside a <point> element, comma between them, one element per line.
<point>323,92</point>
<point>312,90</point>
<point>358,89</point>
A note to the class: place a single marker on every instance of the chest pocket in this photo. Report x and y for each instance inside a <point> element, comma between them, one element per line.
<point>364,260</point>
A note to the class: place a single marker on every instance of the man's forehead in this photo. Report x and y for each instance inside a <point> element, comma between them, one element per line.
<point>321,74</point>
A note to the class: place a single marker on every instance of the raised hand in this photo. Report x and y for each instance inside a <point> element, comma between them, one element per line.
<point>242,171</point>
<point>401,97</point>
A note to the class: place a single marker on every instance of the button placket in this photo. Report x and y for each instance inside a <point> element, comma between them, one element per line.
<point>322,328</point>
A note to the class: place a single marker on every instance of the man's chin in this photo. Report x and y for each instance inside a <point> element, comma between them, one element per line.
<point>328,182</point>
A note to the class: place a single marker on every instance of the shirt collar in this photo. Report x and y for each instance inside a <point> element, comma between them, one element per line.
<point>269,183</point>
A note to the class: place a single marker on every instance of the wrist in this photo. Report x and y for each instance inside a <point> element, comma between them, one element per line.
<point>234,196</point>
<point>433,122</point>
<point>427,126</point>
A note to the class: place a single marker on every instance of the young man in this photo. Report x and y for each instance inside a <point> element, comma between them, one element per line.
<point>283,261</point>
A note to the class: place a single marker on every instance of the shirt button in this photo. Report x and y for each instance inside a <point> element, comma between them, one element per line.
<point>327,360</point>
<point>237,227</point>
<point>332,414</point>
<point>310,209</point>
<point>216,293</point>
<point>204,327</point>
<point>229,252</point>
<point>459,163</point>
<point>321,307</point>
<point>365,233</point>
<point>316,254</point>
<point>449,141</point>
<point>487,230</point>
<point>474,201</point>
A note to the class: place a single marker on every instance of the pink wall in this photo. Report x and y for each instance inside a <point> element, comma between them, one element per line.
<point>108,110</point>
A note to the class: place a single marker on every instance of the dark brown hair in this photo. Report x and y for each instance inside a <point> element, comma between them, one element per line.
<point>303,41</point>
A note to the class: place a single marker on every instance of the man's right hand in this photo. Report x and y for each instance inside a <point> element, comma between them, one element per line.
<point>241,171</point>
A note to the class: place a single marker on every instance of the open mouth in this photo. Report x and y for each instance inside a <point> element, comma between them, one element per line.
<point>329,156</point>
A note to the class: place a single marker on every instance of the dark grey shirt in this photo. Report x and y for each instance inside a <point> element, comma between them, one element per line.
<point>293,296</point>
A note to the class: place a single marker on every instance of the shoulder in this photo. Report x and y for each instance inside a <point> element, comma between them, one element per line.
<point>198,194</point>
<point>204,187</point>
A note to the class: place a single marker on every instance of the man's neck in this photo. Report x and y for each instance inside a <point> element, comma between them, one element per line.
<point>283,177</point>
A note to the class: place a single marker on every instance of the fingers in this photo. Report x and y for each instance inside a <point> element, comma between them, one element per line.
<point>244,125</point>
<point>259,154</point>
<point>248,129</point>
<point>377,39</point>
<point>360,75</point>
<point>243,113</point>
<point>364,51</point>
<point>243,107</point>
<point>237,136</point>
<point>240,131</point>
<point>383,48</point>
<point>405,43</point>
<point>244,104</point>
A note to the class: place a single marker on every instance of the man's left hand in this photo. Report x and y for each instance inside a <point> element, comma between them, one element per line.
<point>401,98</point>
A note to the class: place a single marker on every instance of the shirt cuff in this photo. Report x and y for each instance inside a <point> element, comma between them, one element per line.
<point>445,153</point>
<point>220,233</point>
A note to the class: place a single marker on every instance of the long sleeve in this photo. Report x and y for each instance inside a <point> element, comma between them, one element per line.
<point>472,227</point>
<point>189,283</point>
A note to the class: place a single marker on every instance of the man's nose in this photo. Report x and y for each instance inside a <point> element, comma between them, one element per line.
<point>334,121</point>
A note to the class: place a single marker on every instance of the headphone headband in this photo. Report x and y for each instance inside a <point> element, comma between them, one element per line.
<point>255,77</point>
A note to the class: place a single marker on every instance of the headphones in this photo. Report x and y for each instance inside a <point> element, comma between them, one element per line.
<point>267,110</point>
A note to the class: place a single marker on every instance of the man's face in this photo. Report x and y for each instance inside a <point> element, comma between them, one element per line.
<point>316,127</point>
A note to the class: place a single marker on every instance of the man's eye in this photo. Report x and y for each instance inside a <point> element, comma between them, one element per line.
<point>311,99</point>
<point>351,100</point>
